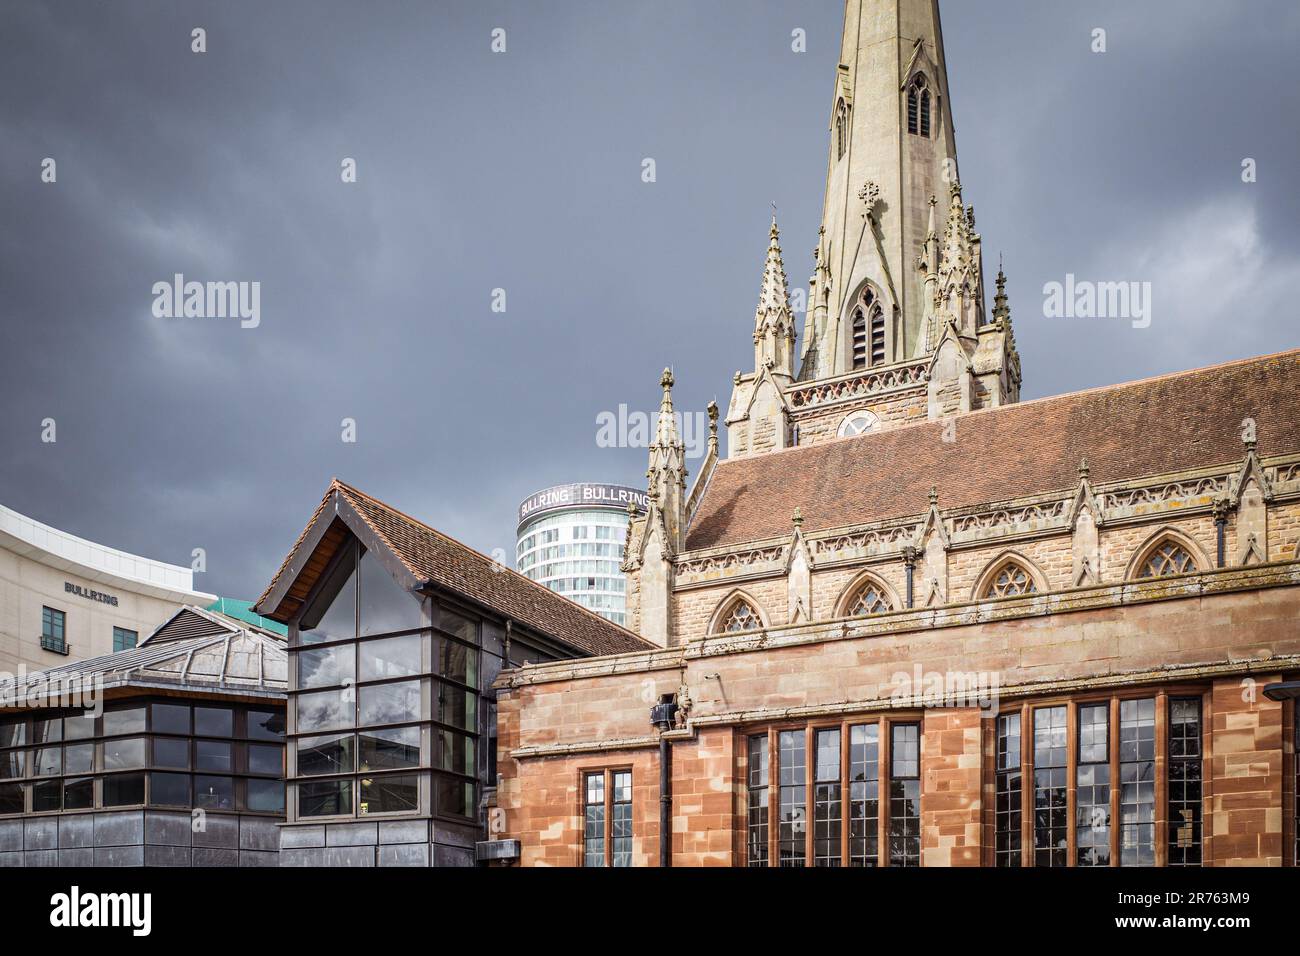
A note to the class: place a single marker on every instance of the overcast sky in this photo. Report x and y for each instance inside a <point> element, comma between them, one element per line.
<point>522,171</point>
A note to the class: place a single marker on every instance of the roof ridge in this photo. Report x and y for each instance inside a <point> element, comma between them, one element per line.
<point>1114,386</point>
<point>552,595</point>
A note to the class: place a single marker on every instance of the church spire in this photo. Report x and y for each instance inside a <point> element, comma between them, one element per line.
<point>773,319</point>
<point>666,475</point>
<point>892,146</point>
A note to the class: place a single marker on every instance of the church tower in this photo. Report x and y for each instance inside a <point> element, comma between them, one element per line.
<point>897,328</point>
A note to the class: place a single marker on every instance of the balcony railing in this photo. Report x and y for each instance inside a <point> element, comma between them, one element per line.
<point>55,645</point>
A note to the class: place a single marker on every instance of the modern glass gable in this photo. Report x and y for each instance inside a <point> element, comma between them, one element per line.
<point>385,700</point>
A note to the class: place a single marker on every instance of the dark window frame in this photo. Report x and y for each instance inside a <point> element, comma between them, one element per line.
<point>611,855</point>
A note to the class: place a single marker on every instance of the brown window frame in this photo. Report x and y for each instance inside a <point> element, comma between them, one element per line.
<point>884,764</point>
<point>1163,695</point>
<point>608,773</point>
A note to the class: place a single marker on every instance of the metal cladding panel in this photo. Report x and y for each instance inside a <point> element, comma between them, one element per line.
<point>258,834</point>
<point>404,854</point>
<point>119,855</point>
<point>351,834</point>
<point>41,834</point>
<point>218,831</point>
<point>167,829</point>
<point>119,829</point>
<point>11,835</point>
<point>301,838</point>
<point>77,831</point>
<point>167,856</point>
<point>215,856</point>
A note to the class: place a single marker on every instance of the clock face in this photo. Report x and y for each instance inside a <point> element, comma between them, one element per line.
<point>858,423</point>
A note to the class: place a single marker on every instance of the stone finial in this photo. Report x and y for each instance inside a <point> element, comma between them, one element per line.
<point>666,380</point>
<point>632,510</point>
<point>713,416</point>
<point>1249,438</point>
<point>797,517</point>
<point>870,196</point>
<point>736,378</point>
<point>1084,470</point>
<point>934,495</point>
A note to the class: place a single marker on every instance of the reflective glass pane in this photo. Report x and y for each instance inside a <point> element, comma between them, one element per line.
<point>79,727</point>
<point>390,749</point>
<point>125,754</point>
<point>47,795</point>
<point>389,793</point>
<point>170,752</point>
<point>323,755</point>
<point>455,797</point>
<point>79,758</point>
<point>169,789</point>
<point>213,755</point>
<point>457,707</point>
<point>123,789</point>
<point>265,724</point>
<point>214,722</point>
<point>325,798</point>
<point>13,733</point>
<point>266,796</point>
<point>47,761</point>
<point>390,703</point>
<point>128,720</point>
<point>214,793</point>
<point>327,666</point>
<point>78,793</point>
<point>390,657</point>
<point>458,626</point>
<point>385,605</point>
<point>47,731</point>
<point>265,758</point>
<point>11,798</point>
<point>325,710</point>
<point>170,718</point>
<point>459,662</point>
<point>457,752</point>
<point>334,617</point>
<point>12,763</point>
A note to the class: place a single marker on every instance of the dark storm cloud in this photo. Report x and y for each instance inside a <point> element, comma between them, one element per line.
<point>522,171</point>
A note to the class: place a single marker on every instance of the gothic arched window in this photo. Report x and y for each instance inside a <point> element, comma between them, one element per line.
<point>740,616</point>
<point>869,599</point>
<point>868,331</point>
<point>1165,559</point>
<point>841,129</point>
<point>918,106</point>
<point>1010,580</point>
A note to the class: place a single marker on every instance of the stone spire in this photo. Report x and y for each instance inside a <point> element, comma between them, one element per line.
<point>892,145</point>
<point>773,320</point>
<point>666,475</point>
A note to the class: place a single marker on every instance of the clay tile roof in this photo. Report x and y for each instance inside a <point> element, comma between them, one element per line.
<point>1151,427</point>
<point>434,557</point>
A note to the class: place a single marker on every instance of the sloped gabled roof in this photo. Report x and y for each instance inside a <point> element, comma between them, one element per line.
<point>433,559</point>
<point>1152,427</point>
<point>194,651</point>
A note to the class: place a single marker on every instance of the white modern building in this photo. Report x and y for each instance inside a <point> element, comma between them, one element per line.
<point>65,599</point>
<point>571,538</point>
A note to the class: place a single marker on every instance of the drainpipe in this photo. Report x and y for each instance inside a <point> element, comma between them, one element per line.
<point>909,562</point>
<point>1220,527</point>
<point>663,716</point>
